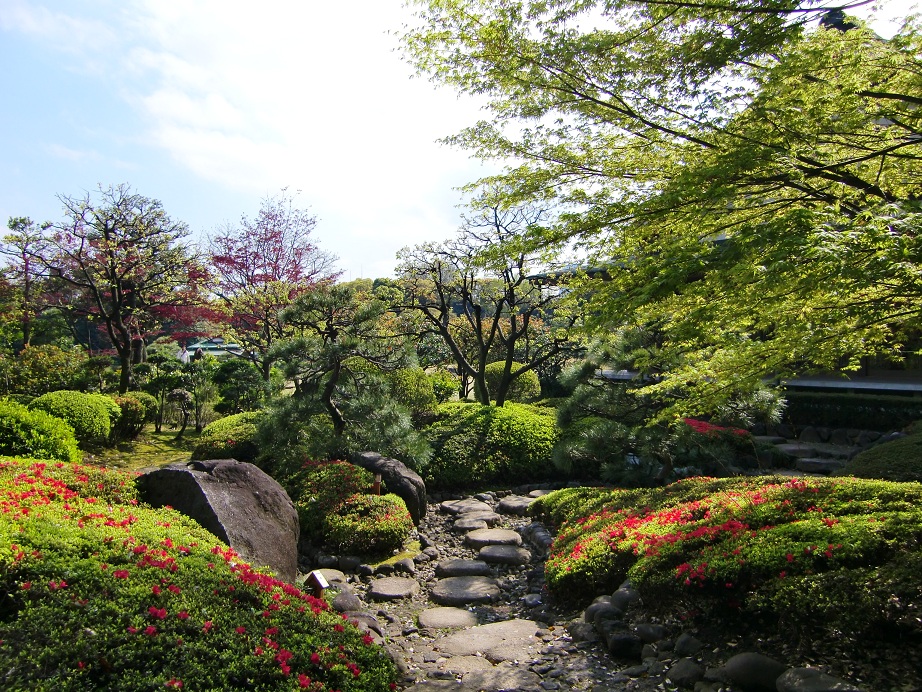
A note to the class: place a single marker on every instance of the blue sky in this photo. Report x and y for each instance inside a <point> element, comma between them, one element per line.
<point>212,105</point>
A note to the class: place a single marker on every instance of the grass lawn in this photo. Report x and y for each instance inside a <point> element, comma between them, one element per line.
<point>149,449</point>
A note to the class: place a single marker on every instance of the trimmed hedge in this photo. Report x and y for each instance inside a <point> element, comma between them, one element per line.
<point>862,411</point>
<point>101,593</point>
<point>818,553</point>
<point>899,460</point>
<point>87,414</point>
<point>368,524</point>
<point>34,433</point>
<point>132,414</point>
<point>525,387</point>
<point>476,445</point>
<point>322,486</point>
<point>150,403</point>
<point>231,437</point>
<point>412,387</point>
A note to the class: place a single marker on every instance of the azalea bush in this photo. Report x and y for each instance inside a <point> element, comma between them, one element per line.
<point>476,445</point>
<point>836,553</point>
<point>368,524</point>
<point>231,437</point>
<point>87,414</point>
<point>35,434</point>
<point>131,418</point>
<point>100,593</point>
<point>322,486</point>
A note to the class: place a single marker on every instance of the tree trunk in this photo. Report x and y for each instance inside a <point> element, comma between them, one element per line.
<point>124,380</point>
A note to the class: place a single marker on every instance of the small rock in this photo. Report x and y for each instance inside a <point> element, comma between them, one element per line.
<point>348,563</point>
<point>392,588</point>
<point>624,645</point>
<point>346,601</point>
<point>635,671</point>
<point>364,570</point>
<point>462,568</point>
<point>650,632</point>
<point>484,537</point>
<point>685,673</point>
<point>687,645</point>
<point>406,565</point>
<point>514,504</point>
<point>468,524</point>
<point>504,555</point>
<point>753,671</point>
<point>532,600</point>
<point>623,597</point>
<point>384,569</point>
<point>601,606</point>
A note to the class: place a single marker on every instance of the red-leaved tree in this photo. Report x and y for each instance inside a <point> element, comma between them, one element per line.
<point>260,266</point>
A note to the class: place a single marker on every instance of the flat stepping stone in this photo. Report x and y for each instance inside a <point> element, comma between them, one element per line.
<point>797,449</point>
<point>464,524</point>
<point>456,591</point>
<point>481,537</point>
<point>392,588</point>
<point>514,504</point>
<point>484,638</point>
<point>502,678</point>
<point>441,618</point>
<point>504,555</point>
<point>333,576</point>
<point>468,504</point>
<point>462,568</point>
<point>819,465</point>
<point>539,493</point>
<point>489,516</point>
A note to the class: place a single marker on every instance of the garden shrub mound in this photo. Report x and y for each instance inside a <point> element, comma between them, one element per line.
<point>828,554</point>
<point>899,460</point>
<point>131,418</point>
<point>24,432</point>
<point>525,387</point>
<point>476,445</point>
<point>86,413</point>
<point>368,525</point>
<point>231,437</point>
<point>99,593</point>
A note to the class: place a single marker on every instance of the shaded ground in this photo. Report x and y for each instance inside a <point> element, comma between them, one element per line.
<point>149,449</point>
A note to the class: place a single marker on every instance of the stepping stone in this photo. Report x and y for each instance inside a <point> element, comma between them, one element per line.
<point>504,555</point>
<point>466,505</point>
<point>539,493</point>
<point>333,576</point>
<point>501,678</point>
<point>514,504</point>
<point>490,517</point>
<point>796,449</point>
<point>819,465</point>
<point>440,618</point>
<point>487,638</point>
<point>392,588</point>
<point>481,537</point>
<point>455,591</point>
<point>463,524</point>
<point>462,568</point>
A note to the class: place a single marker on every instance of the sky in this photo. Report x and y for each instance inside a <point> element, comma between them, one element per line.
<point>212,106</point>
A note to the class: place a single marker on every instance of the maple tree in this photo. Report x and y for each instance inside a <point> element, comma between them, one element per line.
<point>261,265</point>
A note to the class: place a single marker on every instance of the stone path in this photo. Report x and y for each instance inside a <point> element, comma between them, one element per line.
<point>470,611</point>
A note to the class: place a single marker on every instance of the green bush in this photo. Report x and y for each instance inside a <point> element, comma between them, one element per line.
<point>36,434</point>
<point>112,408</point>
<point>38,370</point>
<point>85,413</point>
<point>100,593</point>
<point>240,385</point>
<point>368,525</point>
<point>149,401</point>
<point>444,384</point>
<point>322,486</point>
<point>476,445</point>
<point>862,411</point>
<point>232,437</point>
<point>899,460</point>
<point>825,553</point>
<point>132,415</point>
<point>525,387</point>
<point>413,388</point>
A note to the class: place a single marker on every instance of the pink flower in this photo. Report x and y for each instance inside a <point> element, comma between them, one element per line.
<point>207,626</point>
<point>240,630</point>
<point>150,631</point>
<point>121,574</point>
<point>182,615</point>
<point>159,613</point>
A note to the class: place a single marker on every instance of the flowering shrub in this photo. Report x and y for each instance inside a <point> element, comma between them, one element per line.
<point>711,449</point>
<point>100,593</point>
<point>368,524</point>
<point>794,548</point>
<point>35,434</point>
<point>130,422</point>
<point>87,414</point>
<point>322,486</point>
<point>231,437</point>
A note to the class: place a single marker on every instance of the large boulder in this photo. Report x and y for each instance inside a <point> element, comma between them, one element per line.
<point>401,480</point>
<point>237,502</point>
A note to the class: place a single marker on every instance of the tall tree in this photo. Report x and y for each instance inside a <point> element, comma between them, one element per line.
<point>261,266</point>
<point>475,292</point>
<point>749,178</point>
<point>19,246</point>
<point>117,259</point>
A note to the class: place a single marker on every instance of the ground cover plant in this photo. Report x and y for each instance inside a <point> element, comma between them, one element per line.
<point>97,592</point>
<point>789,549</point>
<point>35,433</point>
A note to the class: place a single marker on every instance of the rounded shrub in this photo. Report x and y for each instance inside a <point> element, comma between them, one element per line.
<point>525,387</point>
<point>413,388</point>
<point>231,437</point>
<point>444,384</point>
<point>476,445</point>
<point>132,415</point>
<point>87,414</point>
<point>898,460</point>
<point>368,524</point>
<point>34,433</point>
<point>112,408</point>
<point>150,403</point>
<point>320,487</point>
<point>103,594</point>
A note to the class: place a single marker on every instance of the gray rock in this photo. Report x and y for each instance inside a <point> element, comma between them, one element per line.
<point>466,505</point>
<point>239,503</point>
<point>455,591</point>
<point>349,563</point>
<point>401,480</point>
<point>392,588</point>
<point>810,435</point>
<point>812,680</point>
<point>333,576</point>
<point>462,568</point>
<point>532,600</point>
<point>685,673</point>
<point>624,645</point>
<point>485,497</point>
<point>483,537</point>
<point>538,493</point>
<point>505,678</point>
<point>514,504</point>
<point>445,617</point>
<point>346,601</point>
<point>490,518</point>
<point>797,449</point>
<point>840,437</point>
<point>606,611</point>
<point>364,621</point>
<point>650,633</point>
<point>486,639</point>
<point>819,465</point>
<point>385,569</point>
<point>753,672</point>
<point>405,566</point>
<point>582,632</point>
<point>463,524</point>
<point>504,555</point>
<point>623,597</point>
<point>687,645</point>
